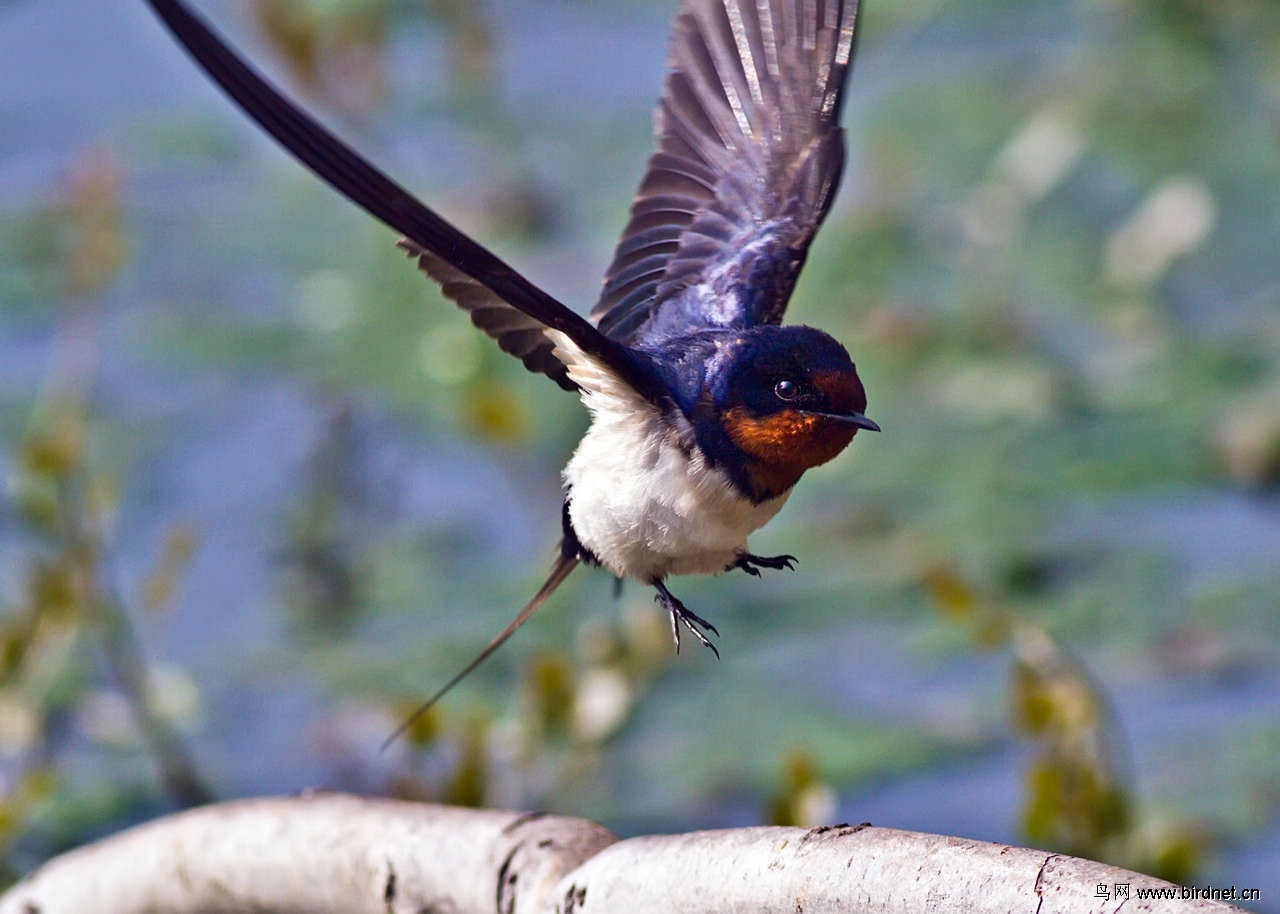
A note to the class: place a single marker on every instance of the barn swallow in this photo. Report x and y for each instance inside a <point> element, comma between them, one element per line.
<point>705,410</point>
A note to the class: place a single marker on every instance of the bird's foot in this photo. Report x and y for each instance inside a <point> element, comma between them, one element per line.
<point>682,615</point>
<point>752,564</point>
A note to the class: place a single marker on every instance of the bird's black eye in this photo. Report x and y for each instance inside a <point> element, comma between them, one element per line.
<point>786,389</point>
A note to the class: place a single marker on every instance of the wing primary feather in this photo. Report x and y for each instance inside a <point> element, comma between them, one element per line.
<point>514,331</point>
<point>749,142</point>
<point>368,187</point>
<point>564,564</point>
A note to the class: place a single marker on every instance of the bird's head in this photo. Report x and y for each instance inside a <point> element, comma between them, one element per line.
<point>788,398</point>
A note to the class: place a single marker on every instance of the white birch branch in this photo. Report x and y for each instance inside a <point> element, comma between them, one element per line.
<point>315,853</point>
<point>849,869</point>
<point>331,852</point>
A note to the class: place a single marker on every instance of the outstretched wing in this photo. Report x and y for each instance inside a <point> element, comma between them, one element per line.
<point>514,331</point>
<point>749,155</point>
<point>502,302</point>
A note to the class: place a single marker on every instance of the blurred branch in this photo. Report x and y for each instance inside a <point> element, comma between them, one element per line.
<point>125,659</point>
<point>60,500</point>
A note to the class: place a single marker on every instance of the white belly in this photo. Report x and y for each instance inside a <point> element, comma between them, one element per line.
<point>646,507</point>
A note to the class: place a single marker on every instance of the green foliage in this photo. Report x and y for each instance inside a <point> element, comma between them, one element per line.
<point>1078,799</point>
<point>805,800</point>
<point>73,247</point>
<point>62,503</point>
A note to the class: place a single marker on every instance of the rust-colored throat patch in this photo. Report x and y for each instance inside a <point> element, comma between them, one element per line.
<point>785,444</point>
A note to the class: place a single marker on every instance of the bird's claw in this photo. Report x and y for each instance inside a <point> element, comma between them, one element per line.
<point>682,615</point>
<point>752,564</point>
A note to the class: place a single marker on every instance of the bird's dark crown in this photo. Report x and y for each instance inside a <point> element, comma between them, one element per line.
<point>768,370</point>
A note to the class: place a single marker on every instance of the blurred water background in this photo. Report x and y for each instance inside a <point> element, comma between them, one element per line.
<point>266,488</point>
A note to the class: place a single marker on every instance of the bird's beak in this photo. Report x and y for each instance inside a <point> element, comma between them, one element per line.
<point>855,419</point>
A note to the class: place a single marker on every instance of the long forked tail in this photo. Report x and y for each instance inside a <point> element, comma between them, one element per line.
<point>559,571</point>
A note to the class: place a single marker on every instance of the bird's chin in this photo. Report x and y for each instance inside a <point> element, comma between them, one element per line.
<point>828,438</point>
<point>781,446</point>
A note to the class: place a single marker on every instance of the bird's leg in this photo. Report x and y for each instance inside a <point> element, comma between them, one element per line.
<point>752,564</point>
<point>682,615</point>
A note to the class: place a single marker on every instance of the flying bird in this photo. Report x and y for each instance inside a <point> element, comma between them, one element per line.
<point>705,409</point>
